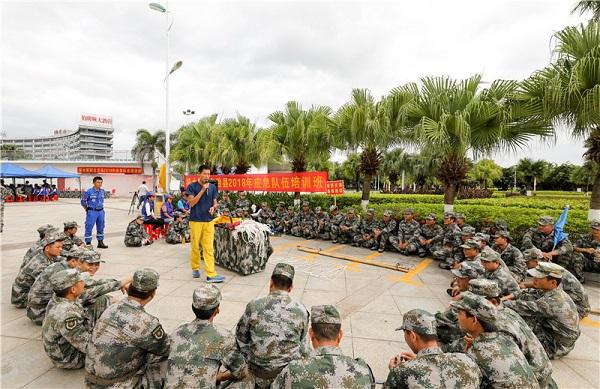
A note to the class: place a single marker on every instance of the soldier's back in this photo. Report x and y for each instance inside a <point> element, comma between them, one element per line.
<point>41,292</point>
<point>326,368</point>
<point>26,277</point>
<point>434,369</point>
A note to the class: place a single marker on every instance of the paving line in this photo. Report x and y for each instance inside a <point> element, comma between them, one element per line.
<point>408,277</point>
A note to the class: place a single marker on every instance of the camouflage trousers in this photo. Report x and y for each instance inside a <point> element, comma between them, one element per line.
<point>411,247</point>
<point>429,249</point>
<point>591,265</point>
<point>95,308</point>
<point>324,235</point>
<point>176,238</point>
<point>150,376</point>
<point>37,312</point>
<point>341,237</point>
<point>18,296</point>
<point>556,346</point>
<point>304,232</point>
<point>446,254</point>
<point>133,241</point>
<point>360,241</point>
<point>573,263</point>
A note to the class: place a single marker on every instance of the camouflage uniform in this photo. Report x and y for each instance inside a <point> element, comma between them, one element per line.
<point>128,347</point>
<point>335,221</point>
<point>304,227</point>
<point>435,233</point>
<point>30,272</point>
<point>272,331</point>
<point>178,232</point>
<point>278,217</point>
<point>353,225</point>
<point>591,262</point>
<point>265,215</point>
<point>512,257</point>
<point>224,205</point>
<point>552,315</point>
<point>460,221</point>
<point>135,234</point>
<point>432,368</point>
<point>571,285</point>
<point>243,203</point>
<point>510,323</point>
<point>501,275</point>
<point>450,242</point>
<point>406,234</point>
<point>288,220</point>
<point>199,348</point>
<point>95,298</point>
<point>501,361</point>
<point>66,331</point>
<point>71,240</point>
<point>386,231</point>
<point>565,258</point>
<point>327,367</point>
<point>322,224</point>
<point>365,235</point>
<point>43,230</point>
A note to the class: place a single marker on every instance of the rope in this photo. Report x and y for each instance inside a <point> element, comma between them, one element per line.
<point>254,233</point>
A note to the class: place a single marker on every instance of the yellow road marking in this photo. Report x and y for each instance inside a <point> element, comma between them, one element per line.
<point>312,257</point>
<point>586,321</point>
<point>408,277</point>
<point>354,265</point>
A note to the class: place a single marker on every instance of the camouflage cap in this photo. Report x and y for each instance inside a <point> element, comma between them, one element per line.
<point>264,204</point>
<point>71,224</point>
<point>91,256</point>
<point>501,224</point>
<point>419,321</point>
<point>317,209</point>
<point>145,279</point>
<point>449,214</point>
<point>284,269</point>
<point>408,210</point>
<point>180,214</point>
<point>480,236</point>
<point>484,287</point>
<point>64,279</point>
<point>290,208</point>
<point>324,314</point>
<point>305,204</point>
<point>350,210</point>
<point>533,253</point>
<point>470,244</point>
<point>242,193</point>
<point>547,269</point>
<point>246,209</point>
<point>333,208</point>
<point>477,306</point>
<point>431,216</point>
<point>546,220</point>
<point>281,204</point>
<point>388,213</point>
<point>206,297</point>
<point>502,234</point>
<point>370,211</point>
<point>74,252</point>
<point>238,210</point>
<point>466,269</point>
<point>45,228</point>
<point>53,237</point>
<point>595,225</point>
<point>460,215</point>
<point>489,256</point>
<point>468,230</point>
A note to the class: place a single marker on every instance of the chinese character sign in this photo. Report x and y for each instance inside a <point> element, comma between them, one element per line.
<point>276,182</point>
<point>108,170</point>
<point>335,188</point>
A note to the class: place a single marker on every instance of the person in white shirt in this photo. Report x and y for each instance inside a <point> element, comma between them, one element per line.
<point>142,191</point>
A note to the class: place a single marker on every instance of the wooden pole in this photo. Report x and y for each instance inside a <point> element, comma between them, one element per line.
<point>318,251</point>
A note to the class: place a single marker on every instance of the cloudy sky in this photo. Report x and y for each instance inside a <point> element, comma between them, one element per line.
<point>60,59</point>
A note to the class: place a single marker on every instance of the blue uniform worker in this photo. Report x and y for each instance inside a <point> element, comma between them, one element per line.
<point>93,202</point>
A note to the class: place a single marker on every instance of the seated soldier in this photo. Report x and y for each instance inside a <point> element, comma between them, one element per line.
<point>570,284</point>
<point>512,256</point>
<point>405,242</point>
<point>200,348</point>
<point>224,203</point>
<point>500,360</point>
<point>429,236</point>
<point>304,224</point>
<point>588,246</point>
<point>322,224</point>
<point>552,314</point>
<point>460,220</point>
<point>70,239</point>
<point>135,235</point>
<point>178,231</point>
<point>450,241</point>
<point>278,218</point>
<point>288,221</point>
<point>349,227</point>
<point>495,271</point>
<point>471,252</point>
<point>42,232</point>
<point>385,230</point>
<point>41,290</point>
<point>327,367</point>
<point>427,366</point>
<point>66,330</point>
<point>365,235</point>
<point>335,221</point>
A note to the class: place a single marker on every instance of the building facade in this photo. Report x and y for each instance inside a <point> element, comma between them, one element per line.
<point>93,140</point>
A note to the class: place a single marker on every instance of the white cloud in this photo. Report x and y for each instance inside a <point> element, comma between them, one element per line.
<point>63,58</point>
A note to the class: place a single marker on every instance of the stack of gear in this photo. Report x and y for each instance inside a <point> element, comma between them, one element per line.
<point>244,249</point>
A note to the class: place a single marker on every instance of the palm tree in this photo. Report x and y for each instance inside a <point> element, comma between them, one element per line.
<point>350,170</point>
<point>195,143</point>
<point>238,145</point>
<point>368,125</point>
<point>567,92</point>
<point>394,165</point>
<point>299,136</point>
<point>485,172</point>
<point>585,6</point>
<point>532,171</point>
<point>146,147</point>
<point>450,119</point>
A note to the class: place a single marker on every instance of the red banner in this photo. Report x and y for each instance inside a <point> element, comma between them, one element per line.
<point>276,182</point>
<point>335,188</point>
<point>109,169</point>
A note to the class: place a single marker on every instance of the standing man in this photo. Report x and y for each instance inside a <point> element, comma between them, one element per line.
<point>203,204</point>
<point>93,203</point>
<point>142,191</point>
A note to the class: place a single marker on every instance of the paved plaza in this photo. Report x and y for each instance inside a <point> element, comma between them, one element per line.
<point>371,299</point>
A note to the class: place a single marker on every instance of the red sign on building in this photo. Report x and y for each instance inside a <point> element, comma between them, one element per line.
<point>109,169</point>
<point>335,188</point>
<point>276,182</point>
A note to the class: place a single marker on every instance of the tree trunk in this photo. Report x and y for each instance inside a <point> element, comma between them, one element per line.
<point>450,191</point>
<point>154,183</point>
<point>242,168</point>
<point>594,212</point>
<point>366,190</point>
<point>298,166</point>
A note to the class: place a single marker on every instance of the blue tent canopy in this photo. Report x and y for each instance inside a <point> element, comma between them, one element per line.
<point>9,170</point>
<point>49,171</point>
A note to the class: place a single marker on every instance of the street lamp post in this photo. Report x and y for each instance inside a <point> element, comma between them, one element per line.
<point>159,8</point>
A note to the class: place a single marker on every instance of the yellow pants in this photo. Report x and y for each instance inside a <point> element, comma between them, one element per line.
<point>203,233</point>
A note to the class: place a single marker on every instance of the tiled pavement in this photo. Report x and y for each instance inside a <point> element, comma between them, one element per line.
<point>371,299</point>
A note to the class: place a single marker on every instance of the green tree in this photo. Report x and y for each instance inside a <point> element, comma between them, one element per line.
<point>394,163</point>
<point>585,175</point>
<point>350,170</point>
<point>559,177</point>
<point>450,119</point>
<point>146,146</point>
<point>568,92</point>
<point>300,137</point>
<point>236,143</point>
<point>585,6</point>
<point>532,172</point>
<point>485,172</point>
<point>368,125</point>
<point>194,146</point>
